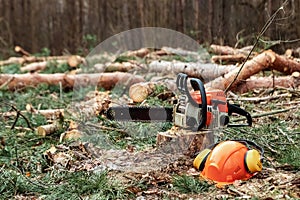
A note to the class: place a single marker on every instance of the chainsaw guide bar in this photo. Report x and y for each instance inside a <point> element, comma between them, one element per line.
<point>140,114</point>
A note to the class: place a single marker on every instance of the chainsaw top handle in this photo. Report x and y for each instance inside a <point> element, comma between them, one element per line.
<point>196,84</point>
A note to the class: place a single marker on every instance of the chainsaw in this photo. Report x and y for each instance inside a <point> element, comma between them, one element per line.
<point>194,110</point>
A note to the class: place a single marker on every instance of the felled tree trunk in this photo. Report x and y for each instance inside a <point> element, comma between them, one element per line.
<point>72,60</point>
<point>228,59</point>
<point>268,82</point>
<point>265,60</point>
<point>227,50</point>
<point>37,66</point>
<point>104,80</point>
<point>116,67</point>
<point>205,72</point>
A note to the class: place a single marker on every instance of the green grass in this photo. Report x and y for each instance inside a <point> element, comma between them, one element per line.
<point>187,184</point>
<point>22,151</point>
<point>283,147</point>
<point>60,185</point>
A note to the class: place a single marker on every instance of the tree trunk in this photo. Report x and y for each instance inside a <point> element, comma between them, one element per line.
<point>104,80</point>
<point>265,60</point>
<point>205,72</point>
<point>268,82</point>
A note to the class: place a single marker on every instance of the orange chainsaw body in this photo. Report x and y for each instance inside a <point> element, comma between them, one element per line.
<point>211,97</point>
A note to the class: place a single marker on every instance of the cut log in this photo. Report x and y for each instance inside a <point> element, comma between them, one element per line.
<point>38,66</point>
<point>33,67</point>
<point>228,59</point>
<point>92,107</point>
<point>205,72</point>
<point>285,65</point>
<point>139,53</point>
<point>19,49</point>
<point>227,50</point>
<point>30,59</point>
<point>48,114</point>
<point>48,129</point>
<point>268,82</point>
<point>74,61</point>
<point>70,135</point>
<point>140,91</point>
<point>51,114</point>
<point>116,67</point>
<point>266,60</point>
<point>180,52</point>
<point>103,80</point>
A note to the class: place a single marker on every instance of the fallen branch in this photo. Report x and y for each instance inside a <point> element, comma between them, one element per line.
<point>103,80</point>
<point>48,114</point>
<point>19,49</point>
<point>274,112</point>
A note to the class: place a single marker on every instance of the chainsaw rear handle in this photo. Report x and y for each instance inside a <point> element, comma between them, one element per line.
<point>236,109</point>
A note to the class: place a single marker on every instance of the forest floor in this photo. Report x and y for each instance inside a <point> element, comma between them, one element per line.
<point>120,160</point>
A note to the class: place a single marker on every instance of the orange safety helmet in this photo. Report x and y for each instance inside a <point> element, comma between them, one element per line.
<point>229,161</point>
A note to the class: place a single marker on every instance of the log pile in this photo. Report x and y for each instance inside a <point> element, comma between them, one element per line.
<point>238,77</point>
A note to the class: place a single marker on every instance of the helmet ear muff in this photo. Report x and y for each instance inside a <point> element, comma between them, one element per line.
<point>252,161</point>
<point>199,162</point>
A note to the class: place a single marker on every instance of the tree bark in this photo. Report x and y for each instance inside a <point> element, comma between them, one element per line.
<point>227,50</point>
<point>188,142</point>
<point>104,80</point>
<point>116,67</point>
<point>205,72</point>
<point>268,82</point>
<point>72,60</point>
<point>48,129</point>
<point>228,59</point>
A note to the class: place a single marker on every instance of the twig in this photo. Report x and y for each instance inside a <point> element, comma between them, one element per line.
<point>7,82</point>
<point>283,133</point>
<point>105,127</point>
<point>270,148</point>
<point>257,99</point>
<point>263,30</point>
<point>20,128</point>
<point>266,113</point>
<point>19,113</point>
